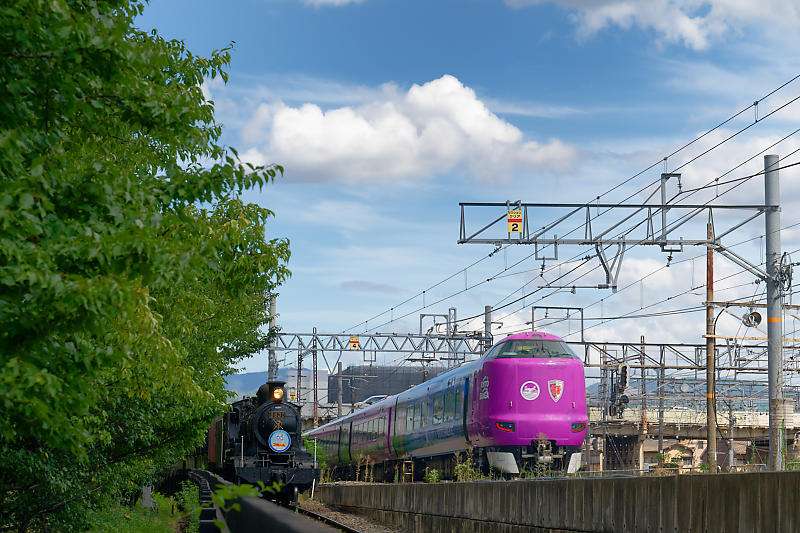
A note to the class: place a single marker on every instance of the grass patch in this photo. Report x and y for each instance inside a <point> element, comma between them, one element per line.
<point>183,517</point>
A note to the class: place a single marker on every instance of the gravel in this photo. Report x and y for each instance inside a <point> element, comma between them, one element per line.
<point>355,521</point>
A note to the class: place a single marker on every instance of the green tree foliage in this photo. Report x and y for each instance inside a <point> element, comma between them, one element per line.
<point>132,277</point>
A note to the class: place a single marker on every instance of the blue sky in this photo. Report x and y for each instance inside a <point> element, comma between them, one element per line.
<point>387,114</point>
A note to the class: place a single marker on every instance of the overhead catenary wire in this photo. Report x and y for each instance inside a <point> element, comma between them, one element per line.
<point>739,182</point>
<point>690,193</point>
<point>633,283</point>
<point>624,182</point>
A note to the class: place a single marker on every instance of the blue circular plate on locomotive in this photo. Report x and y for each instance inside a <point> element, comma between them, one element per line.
<point>279,441</point>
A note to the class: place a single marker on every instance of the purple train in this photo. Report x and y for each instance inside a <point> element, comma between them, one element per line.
<point>522,404</point>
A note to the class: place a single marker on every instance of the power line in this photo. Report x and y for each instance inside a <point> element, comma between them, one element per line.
<point>624,182</point>
<point>740,182</point>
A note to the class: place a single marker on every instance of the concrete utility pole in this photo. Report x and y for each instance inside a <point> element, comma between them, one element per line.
<point>340,390</point>
<point>711,420</point>
<point>772,216</point>
<point>314,372</point>
<point>272,367</point>
<point>299,375</point>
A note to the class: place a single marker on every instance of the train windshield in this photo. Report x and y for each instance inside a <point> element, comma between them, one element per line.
<point>533,348</point>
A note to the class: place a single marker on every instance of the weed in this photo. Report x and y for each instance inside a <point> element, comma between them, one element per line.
<point>432,476</point>
<point>465,470</point>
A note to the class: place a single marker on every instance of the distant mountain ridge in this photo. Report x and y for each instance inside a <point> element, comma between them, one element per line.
<point>248,383</point>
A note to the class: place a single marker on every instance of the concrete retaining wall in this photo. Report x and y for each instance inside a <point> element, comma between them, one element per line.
<point>768,502</point>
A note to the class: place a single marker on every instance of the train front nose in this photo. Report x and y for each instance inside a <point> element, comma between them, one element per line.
<point>538,399</point>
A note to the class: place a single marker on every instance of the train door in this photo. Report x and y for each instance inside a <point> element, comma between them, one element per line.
<point>349,437</point>
<point>466,402</point>
<point>387,427</point>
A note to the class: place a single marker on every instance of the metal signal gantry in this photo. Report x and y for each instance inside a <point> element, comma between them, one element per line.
<point>638,227</point>
<point>459,346</point>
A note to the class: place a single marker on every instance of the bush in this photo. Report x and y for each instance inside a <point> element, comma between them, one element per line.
<point>465,470</point>
<point>137,519</point>
<point>188,500</point>
<point>432,476</point>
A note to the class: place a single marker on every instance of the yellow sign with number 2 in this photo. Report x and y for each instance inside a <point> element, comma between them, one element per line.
<point>515,221</point>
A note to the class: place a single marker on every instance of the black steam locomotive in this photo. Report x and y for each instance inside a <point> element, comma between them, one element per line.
<point>259,440</point>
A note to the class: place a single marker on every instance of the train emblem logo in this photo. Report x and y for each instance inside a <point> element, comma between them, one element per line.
<point>279,441</point>
<point>556,388</point>
<point>529,390</point>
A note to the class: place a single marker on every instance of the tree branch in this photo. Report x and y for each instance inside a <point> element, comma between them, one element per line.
<point>28,487</point>
<point>28,56</point>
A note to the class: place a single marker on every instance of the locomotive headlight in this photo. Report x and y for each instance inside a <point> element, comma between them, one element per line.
<point>277,394</point>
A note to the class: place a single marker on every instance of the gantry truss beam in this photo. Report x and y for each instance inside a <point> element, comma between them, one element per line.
<point>649,230</point>
<point>432,346</point>
<point>734,356</point>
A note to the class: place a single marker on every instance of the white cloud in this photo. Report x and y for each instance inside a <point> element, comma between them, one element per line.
<point>330,2</point>
<point>693,23</point>
<point>431,128</point>
<point>368,286</point>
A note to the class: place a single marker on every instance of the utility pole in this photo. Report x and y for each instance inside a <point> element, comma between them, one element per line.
<point>314,372</point>
<point>731,453</point>
<point>661,402</point>
<point>340,390</point>
<point>272,366</point>
<point>299,374</point>
<point>487,328</point>
<point>711,421</point>
<point>772,218</point>
<point>643,389</point>
<point>352,395</point>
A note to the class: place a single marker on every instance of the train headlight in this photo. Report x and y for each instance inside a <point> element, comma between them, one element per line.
<point>277,394</point>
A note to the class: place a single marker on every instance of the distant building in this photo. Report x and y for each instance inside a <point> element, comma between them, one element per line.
<point>361,382</point>
<point>690,453</point>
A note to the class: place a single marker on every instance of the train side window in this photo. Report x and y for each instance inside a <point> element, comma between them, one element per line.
<point>449,409</point>
<point>424,417</point>
<point>399,414</point>
<point>438,406</point>
<point>459,407</point>
<point>410,417</point>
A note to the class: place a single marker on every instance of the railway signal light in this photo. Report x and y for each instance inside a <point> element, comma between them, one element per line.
<point>623,376</point>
